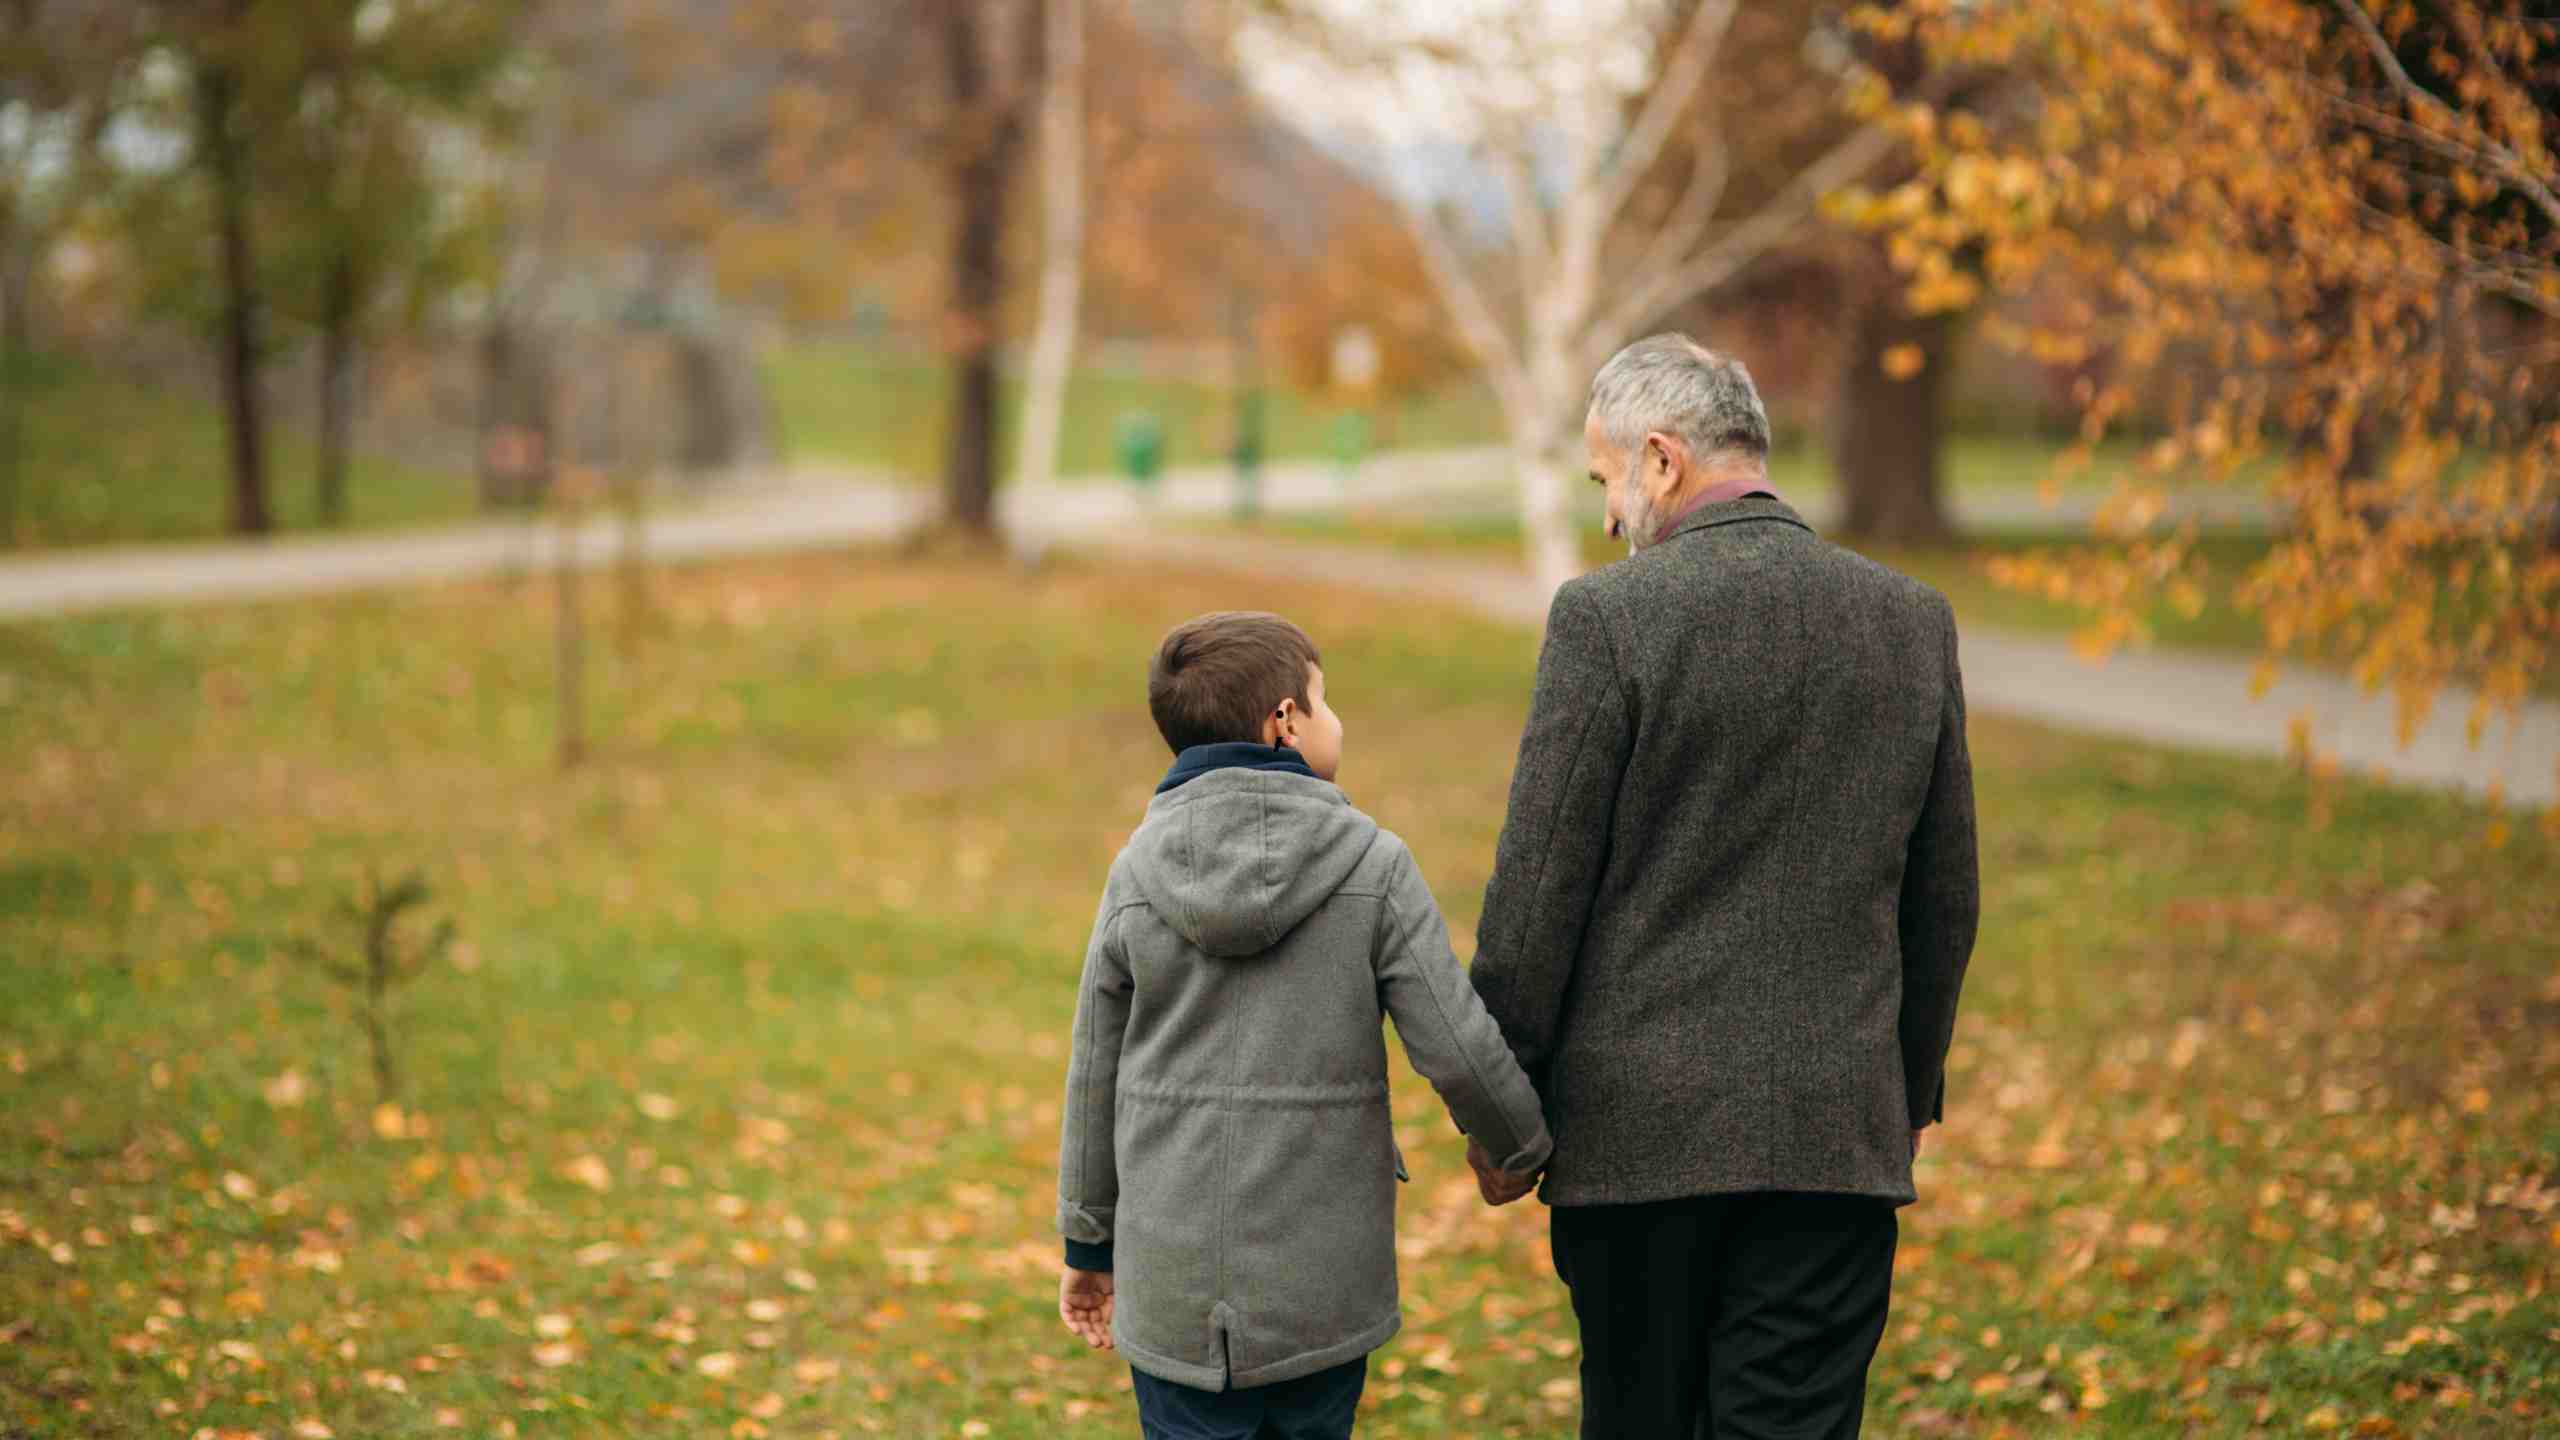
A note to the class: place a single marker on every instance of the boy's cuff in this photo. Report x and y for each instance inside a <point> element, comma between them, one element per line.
<point>1081,1256</point>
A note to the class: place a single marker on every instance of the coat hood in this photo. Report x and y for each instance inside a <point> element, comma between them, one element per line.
<point>1235,859</point>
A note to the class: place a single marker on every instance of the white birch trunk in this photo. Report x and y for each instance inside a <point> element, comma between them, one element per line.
<point>1567,181</point>
<point>1546,524</point>
<point>1053,339</point>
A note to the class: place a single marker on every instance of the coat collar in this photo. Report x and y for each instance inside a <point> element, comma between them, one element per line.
<point>1200,760</point>
<point>1731,512</point>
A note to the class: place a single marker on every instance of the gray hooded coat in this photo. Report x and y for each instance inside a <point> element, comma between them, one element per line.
<point>1226,1123</point>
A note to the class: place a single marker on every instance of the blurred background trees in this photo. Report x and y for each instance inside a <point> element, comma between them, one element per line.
<point>2307,245</point>
<point>2311,247</point>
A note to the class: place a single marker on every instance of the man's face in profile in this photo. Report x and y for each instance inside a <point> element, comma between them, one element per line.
<point>1608,470</point>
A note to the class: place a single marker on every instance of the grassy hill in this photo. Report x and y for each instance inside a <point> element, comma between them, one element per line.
<point>851,404</point>
<point>107,460</point>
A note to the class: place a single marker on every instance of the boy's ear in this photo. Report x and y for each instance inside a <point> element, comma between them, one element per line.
<point>1280,726</point>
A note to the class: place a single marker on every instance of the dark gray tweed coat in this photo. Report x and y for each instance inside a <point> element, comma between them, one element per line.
<point>1736,891</point>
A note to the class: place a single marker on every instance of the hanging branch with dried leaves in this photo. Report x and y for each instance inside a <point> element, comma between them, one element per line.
<point>2309,246</point>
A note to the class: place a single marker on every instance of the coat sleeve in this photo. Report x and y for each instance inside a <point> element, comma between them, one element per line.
<point>1446,1032</point>
<point>1555,838</point>
<point>1941,906</point>
<point>1088,1166</point>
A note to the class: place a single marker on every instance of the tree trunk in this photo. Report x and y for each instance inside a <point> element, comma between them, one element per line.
<point>17,340</point>
<point>1061,240</point>
<point>1887,431</point>
<point>569,641</point>
<point>225,154</point>
<point>1546,524</point>
<point>515,417</point>
<point>980,172</point>
<point>337,388</point>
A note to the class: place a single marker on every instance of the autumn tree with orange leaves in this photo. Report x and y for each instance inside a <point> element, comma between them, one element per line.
<point>2316,246</point>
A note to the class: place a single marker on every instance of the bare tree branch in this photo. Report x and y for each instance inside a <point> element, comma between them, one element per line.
<point>1674,86</point>
<point>1686,225</point>
<point>1482,330</point>
<point>1747,241</point>
<point>1529,228</point>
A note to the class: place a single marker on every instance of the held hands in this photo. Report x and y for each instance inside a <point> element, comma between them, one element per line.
<point>1084,1303</point>
<point>1498,1187</point>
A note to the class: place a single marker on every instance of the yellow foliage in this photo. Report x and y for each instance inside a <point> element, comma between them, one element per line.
<point>2329,244</point>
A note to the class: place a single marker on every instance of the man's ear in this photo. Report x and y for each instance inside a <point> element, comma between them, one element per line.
<point>1280,726</point>
<point>1664,452</point>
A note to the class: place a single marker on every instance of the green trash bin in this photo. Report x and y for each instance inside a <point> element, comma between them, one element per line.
<point>1140,443</point>
<point>1248,453</point>
<point>1350,445</point>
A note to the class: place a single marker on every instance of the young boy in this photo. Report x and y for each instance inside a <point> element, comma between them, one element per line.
<point>1227,1177</point>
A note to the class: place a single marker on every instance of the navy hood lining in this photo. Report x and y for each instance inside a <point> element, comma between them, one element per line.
<point>1200,760</point>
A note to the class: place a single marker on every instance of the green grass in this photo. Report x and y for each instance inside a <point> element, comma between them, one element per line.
<point>848,403</point>
<point>736,1112</point>
<point>109,460</point>
<point>1961,572</point>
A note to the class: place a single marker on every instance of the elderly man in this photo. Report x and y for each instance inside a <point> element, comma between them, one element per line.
<point>1729,915</point>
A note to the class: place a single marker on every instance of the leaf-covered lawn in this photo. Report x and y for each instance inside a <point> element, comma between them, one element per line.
<point>734,1111</point>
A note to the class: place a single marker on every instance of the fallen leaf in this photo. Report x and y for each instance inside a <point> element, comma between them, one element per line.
<point>287,1090</point>
<point>590,1171</point>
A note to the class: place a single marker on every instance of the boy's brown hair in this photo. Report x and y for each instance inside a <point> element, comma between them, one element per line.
<point>1216,676</point>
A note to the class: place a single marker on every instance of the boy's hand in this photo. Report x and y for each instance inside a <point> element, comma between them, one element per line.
<point>1498,1187</point>
<point>1084,1302</point>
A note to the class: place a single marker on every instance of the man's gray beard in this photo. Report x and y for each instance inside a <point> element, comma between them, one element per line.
<point>1639,525</point>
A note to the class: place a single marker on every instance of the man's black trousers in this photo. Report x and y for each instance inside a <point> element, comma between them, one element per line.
<point>1735,1317</point>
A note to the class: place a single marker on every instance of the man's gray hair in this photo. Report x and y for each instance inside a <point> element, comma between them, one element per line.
<point>1674,384</point>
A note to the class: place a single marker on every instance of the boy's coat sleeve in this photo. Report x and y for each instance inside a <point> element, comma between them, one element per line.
<point>1446,1032</point>
<point>1088,1167</point>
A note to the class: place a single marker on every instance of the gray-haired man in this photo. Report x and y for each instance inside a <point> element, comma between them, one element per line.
<point>1729,915</point>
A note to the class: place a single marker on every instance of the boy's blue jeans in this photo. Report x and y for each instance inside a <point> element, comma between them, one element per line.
<point>1311,1407</point>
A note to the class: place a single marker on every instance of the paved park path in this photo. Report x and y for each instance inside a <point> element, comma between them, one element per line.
<point>2174,697</point>
<point>800,509</point>
<point>2170,697</point>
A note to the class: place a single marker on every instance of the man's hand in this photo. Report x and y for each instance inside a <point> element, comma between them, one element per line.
<point>1498,1187</point>
<point>1084,1302</point>
<point>1915,1143</point>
